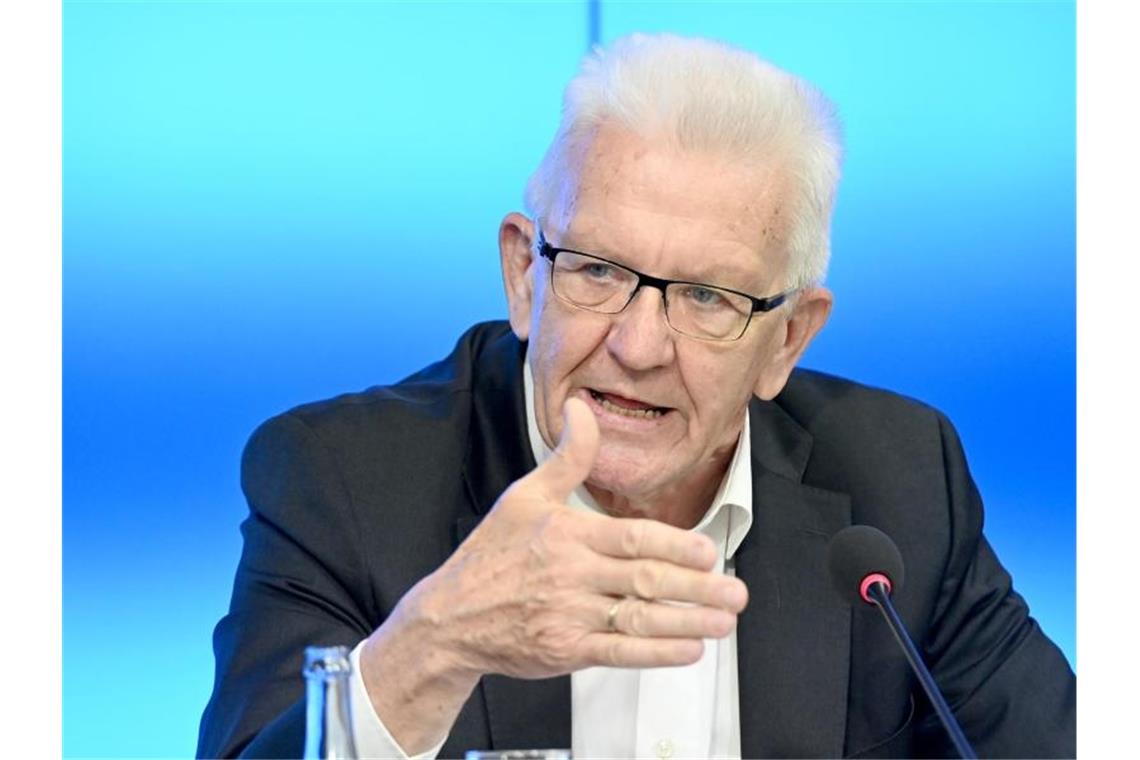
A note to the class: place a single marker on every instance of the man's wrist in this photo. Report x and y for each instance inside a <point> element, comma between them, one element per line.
<point>373,739</point>
<point>414,679</point>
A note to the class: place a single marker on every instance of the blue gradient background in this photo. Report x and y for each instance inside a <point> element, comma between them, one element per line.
<point>250,187</point>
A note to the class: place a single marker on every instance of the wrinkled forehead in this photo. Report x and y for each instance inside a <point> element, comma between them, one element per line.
<point>630,196</point>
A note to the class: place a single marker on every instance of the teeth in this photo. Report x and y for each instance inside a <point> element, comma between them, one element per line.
<point>609,406</point>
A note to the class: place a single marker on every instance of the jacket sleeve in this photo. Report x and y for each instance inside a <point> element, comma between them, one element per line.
<point>1010,687</point>
<point>302,580</point>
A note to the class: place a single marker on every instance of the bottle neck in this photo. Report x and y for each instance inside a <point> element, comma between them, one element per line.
<point>328,716</point>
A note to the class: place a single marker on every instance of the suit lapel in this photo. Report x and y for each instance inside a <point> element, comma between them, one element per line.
<point>520,714</point>
<point>793,639</point>
<point>498,448</point>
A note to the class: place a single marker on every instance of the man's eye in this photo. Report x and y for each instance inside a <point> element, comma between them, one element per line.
<point>706,297</point>
<point>598,270</point>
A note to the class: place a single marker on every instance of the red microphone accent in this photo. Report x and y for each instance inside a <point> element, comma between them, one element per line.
<point>872,579</point>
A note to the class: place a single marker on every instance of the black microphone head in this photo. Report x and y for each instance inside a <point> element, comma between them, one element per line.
<point>858,552</point>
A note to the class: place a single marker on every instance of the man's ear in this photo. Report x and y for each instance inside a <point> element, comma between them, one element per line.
<point>516,235</point>
<point>810,311</point>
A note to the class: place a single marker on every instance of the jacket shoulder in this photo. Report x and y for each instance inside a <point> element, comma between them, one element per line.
<point>880,447</point>
<point>394,428</point>
<point>436,392</point>
<point>814,399</point>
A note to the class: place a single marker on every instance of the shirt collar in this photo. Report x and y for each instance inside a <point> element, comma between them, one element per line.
<point>729,516</point>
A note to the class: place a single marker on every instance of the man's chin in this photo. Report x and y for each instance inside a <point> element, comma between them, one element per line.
<point>625,478</point>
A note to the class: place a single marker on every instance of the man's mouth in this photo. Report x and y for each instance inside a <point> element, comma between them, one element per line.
<point>626,407</point>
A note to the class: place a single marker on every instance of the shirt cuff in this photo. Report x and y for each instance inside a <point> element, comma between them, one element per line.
<point>369,732</point>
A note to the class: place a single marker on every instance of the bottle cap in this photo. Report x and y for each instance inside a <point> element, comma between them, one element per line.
<point>332,661</point>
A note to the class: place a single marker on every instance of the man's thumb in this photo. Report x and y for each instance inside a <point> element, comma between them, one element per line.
<point>574,457</point>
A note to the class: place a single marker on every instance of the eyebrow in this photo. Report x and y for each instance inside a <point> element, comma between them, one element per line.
<point>718,273</point>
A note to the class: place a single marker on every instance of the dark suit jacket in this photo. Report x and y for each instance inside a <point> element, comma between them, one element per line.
<point>354,500</point>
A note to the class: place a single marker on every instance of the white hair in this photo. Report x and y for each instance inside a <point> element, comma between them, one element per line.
<point>704,96</point>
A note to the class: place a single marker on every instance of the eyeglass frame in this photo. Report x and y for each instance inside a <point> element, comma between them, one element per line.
<point>765,305</point>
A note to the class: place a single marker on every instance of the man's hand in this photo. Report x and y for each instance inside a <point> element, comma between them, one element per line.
<point>539,590</point>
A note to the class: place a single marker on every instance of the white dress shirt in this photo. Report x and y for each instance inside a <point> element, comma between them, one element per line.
<point>683,712</point>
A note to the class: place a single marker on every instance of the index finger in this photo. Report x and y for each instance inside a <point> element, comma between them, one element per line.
<point>639,538</point>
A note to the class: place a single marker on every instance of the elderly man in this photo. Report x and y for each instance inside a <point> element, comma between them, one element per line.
<point>605,527</point>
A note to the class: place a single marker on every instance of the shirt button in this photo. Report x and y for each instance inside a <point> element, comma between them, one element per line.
<point>664,749</point>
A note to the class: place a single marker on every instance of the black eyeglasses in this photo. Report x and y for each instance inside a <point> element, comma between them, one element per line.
<point>706,312</point>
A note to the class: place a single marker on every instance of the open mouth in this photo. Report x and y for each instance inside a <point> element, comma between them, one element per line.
<point>626,407</point>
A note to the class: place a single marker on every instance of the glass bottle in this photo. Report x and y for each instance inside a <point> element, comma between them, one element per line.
<point>328,716</point>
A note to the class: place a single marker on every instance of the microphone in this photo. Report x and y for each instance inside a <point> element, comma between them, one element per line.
<point>865,566</point>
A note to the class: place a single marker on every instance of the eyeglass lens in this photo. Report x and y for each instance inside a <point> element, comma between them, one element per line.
<point>701,311</point>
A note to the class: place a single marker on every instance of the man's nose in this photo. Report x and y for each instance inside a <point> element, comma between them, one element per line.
<point>640,337</point>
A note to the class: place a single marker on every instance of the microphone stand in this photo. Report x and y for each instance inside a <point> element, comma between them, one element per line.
<point>879,595</point>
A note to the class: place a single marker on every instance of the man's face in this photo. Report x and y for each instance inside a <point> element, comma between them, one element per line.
<point>669,407</point>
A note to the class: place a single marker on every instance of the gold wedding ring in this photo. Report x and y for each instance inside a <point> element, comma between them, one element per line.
<point>611,616</point>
